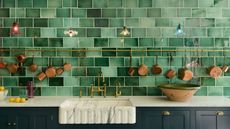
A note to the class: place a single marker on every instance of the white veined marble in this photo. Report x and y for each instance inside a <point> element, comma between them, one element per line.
<point>97,111</point>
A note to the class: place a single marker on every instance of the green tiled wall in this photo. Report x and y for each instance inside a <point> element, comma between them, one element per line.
<point>152,24</point>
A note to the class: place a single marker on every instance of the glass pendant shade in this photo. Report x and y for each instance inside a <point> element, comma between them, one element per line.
<point>70,32</point>
<point>125,31</point>
<point>15,29</point>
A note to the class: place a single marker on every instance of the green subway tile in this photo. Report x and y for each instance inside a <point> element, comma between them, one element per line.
<point>4,32</point>
<point>70,3</point>
<point>189,3</point>
<point>115,3</point>
<point>108,52</point>
<point>198,12</point>
<point>225,12</point>
<point>132,22</point>
<point>71,81</point>
<point>154,32</point>
<point>135,61</point>
<point>79,71</point>
<point>214,12</point>
<point>160,42</point>
<point>147,81</point>
<point>49,91</point>
<point>139,13</point>
<point>93,12</point>
<point>153,91</point>
<point>184,12</point>
<point>8,3</point>
<point>154,12</point>
<point>131,81</point>
<point>55,22</point>
<point>116,80</point>
<point>109,71</point>
<point>222,22</point>
<point>86,42</point>
<point>223,81</point>
<point>23,81</point>
<point>207,42</point>
<point>4,72</point>
<point>139,91</point>
<point>109,13</point>
<point>41,42</point>
<point>56,3</point>
<point>25,42</point>
<point>206,3</point>
<point>86,22</point>
<point>116,62</point>
<point>192,22</point>
<point>4,12</point>
<point>202,92</point>
<point>101,61</point>
<point>12,81</point>
<point>15,91</point>
<point>126,91</point>
<point>138,32</point>
<point>64,91</point>
<point>116,22</point>
<point>215,32</point>
<point>33,32</point>
<point>145,3</point>
<point>162,22</point>
<point>207,22</point>
<point>220,42</point>
<point>215,91</point>
<point>144,42</point>
<point>226,33</point>
<point>86,61</point>
<point>63,52</point>
<point>20,12</point>
<point>175,3</point>
<point>93,71</point>
<point>25,3</point>
<point>56,81</point>
<point>176,42</point>
<point>101,22</point>
<point>10,42</point>
<point>131,3</point>
<point>48,13</point>
<point>41,22</point>
<point>122,71</point>
<point>25,22</point>
<point>116,42</point>
<point>131,42</point>
<point>199,32</point>
<point>108,32</point>
<point>56,61</point>
<point>70,42</point>
<point>160,3</point>
<point>169,12</point>
<point>94,32</point>
<point>76,91</point>
<point>226,91</point>
<point>71,23</point>
<point>86,81</point>
<point>84,3</point>
<point>99,4</point>
<point>61,12</point>
<point>8,22</point>
<point>55,42</point>
<point>48,32</point>
<point>221,3</point>
<point>147,22</point>
<point>123,12</point>
<point>32,12</point>
<point>101,42</point>
<point>39,3</point>
<point>79,13</point>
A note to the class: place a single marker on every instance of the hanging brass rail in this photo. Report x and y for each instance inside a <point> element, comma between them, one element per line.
<point>107,50</point>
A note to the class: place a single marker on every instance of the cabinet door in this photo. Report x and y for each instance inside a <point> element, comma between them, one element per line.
<point>162,119</point>
<point>4,119</point>
<point>212,119</point>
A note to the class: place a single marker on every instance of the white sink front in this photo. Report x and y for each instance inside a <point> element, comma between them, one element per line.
<point>97,111</point>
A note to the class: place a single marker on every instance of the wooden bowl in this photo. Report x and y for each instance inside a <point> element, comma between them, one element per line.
<point>179,92</point>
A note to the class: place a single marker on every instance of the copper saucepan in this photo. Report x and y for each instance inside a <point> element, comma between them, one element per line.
<point>67,67</point>
<point>131,69</point>
<point>184,73</point>
<point>33,67</point>
<point>143,69</point>
<point>156,69</point>
<point>12,68</point>
<point>170,73</point>
<point>50,71</point>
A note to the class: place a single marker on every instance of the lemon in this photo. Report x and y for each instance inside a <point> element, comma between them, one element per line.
<point>18,100</point>
<point>2,88</point>
<point>11,100</point>
<point>23,100</point>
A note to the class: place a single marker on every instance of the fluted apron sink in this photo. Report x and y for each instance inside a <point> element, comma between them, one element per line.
<point>97,111</point>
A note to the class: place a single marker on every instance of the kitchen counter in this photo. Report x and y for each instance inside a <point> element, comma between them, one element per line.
<point>138,101</point>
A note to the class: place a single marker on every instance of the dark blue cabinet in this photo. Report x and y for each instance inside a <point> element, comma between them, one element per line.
<point>28,118</point>
<point>213,119</point>
<point>160,118</point>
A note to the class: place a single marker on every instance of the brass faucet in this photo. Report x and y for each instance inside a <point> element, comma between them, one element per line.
<point>99,90</point>
<point>118,90</point>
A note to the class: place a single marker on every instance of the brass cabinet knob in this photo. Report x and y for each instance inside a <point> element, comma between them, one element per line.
<point>166,113</point>
<point>14,124</point>
<point>220,113</point>
<point>9,124</point>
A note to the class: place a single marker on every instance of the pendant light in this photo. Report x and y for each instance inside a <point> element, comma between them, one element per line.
<point>15,26</point>
<point>70,32</point>
<point>179,29</point>
<point>125,32</point>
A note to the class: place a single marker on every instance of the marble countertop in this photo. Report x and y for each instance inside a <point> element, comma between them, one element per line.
<point>138,101</point>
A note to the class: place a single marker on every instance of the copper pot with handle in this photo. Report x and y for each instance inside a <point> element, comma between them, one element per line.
<point>67,67</point>
<point>59,71</point>
<point>214,71</point>
<point>170,73</point>
<point>131,70</point>
<point>2,64</point>
<point>50,71</point>
<point>33,67</point>
<point>12,68</point>
<point>156,69</point>
<point>41,76</point>
<point>143,69</point>
<point>184,73</point>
